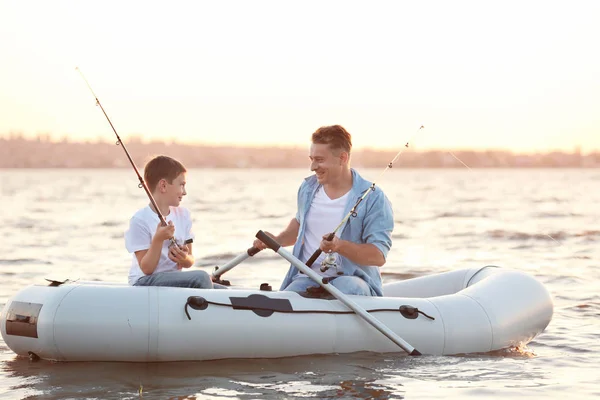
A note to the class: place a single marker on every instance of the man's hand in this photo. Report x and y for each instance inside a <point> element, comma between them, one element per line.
<point>259,244</point>
<point>330,246</point>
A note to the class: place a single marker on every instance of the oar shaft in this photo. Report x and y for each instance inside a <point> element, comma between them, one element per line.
<point>272,244</point>
<point>237,260</point>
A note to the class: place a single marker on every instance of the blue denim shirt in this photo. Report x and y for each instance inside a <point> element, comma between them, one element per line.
<point>373,224</point>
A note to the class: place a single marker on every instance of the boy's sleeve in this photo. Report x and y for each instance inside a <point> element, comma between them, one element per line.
<point>189,234</point>
<point>137,237</point>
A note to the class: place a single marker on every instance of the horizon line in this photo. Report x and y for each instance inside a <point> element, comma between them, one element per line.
<point>138,139</point>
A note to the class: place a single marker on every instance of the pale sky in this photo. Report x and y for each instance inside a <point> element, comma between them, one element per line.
<point>516,75</point>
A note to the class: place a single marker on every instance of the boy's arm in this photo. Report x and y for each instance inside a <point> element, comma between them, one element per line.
<point>148,259</point>
<point>188,257</point>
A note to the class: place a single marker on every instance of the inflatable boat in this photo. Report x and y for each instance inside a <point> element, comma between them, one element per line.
<point>456,312</point>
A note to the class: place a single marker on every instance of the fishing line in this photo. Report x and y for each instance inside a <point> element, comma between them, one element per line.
<point>352,212</point>
<point>459,160</point>
<point>559,243</point>
<point>142,184</point>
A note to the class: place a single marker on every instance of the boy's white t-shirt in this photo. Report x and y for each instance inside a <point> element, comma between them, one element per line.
<point>142,228</point>
<point>324,215</point>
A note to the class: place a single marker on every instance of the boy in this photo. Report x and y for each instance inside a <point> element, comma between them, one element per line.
<point>155,261</point>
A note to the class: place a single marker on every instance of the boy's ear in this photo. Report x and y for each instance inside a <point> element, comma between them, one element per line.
<point>162,185</point>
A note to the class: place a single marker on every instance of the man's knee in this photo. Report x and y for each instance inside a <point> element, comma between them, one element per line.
<point>352,285</point>
<point>300,284</point>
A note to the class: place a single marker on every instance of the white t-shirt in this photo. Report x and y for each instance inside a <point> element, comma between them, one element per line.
<point>142,228</point>
<point>324,215</point>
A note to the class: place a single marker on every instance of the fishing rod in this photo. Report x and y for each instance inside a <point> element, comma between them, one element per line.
<point>120,142</point>
<point>352,212</point>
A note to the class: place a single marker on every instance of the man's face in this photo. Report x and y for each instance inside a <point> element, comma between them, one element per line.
<point>326,164</point>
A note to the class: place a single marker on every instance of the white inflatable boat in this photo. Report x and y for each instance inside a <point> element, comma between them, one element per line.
<point>463,311</point>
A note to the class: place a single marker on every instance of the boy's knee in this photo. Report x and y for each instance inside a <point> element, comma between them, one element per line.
<point>201,280</point>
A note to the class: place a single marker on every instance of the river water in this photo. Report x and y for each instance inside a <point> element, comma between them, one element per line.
<point>63,224</point>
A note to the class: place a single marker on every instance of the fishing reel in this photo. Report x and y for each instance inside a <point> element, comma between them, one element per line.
<point>330,261</point>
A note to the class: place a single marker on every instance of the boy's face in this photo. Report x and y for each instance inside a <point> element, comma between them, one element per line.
<point>173,192</point>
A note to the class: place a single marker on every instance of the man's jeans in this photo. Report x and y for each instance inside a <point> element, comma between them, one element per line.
<point>345,284</point>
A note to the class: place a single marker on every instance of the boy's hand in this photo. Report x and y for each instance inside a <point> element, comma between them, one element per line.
<point>164,232</point>
<point>179,255</point>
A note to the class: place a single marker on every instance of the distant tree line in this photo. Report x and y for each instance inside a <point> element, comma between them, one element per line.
<point>19,152</point>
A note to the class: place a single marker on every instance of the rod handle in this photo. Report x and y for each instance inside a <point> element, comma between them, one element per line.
<point>318,252</point>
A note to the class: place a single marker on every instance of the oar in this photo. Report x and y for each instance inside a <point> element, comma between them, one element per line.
<point>216,275</point>
<point>276,247</point>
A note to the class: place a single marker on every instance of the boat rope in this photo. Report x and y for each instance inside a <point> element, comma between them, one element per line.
<point>142,184</point>
<point>284,306</point>
<point>352,212</point>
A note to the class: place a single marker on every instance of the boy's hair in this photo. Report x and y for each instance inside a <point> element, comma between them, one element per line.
<point>335,136</point>
<point>162,167</point>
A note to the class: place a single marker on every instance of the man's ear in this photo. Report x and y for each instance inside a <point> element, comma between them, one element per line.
<point>344,157</point>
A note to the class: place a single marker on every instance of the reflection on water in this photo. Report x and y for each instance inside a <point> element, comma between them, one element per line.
<point>335,376</point>
<point>359,375</point>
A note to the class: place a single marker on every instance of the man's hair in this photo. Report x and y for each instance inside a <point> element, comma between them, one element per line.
<point>335,136</point>
<point>162,167</point>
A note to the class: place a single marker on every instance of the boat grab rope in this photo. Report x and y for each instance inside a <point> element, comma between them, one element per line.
<point>284,306</point>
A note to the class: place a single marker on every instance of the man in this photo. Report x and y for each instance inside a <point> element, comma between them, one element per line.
<point>361,245</point>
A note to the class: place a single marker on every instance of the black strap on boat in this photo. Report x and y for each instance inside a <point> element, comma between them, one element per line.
<point>411,312</point>
<point>265,307</point>
<point>197,303</point>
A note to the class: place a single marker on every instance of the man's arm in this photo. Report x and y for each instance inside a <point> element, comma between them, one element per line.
<point>359,253</point>
<point>290,234</point>
<point>377,228</point>
<point>286,238</point>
